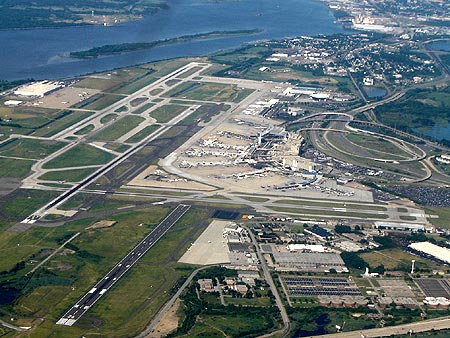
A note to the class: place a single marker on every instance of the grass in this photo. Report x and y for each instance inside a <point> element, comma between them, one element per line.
<point>85,130</point>
<point>118,128</point>
<point>319,213</point>
<point>143,108</point>
<point>167,112</point>
<point>348,205</point>
<point>29,149</point>
<point>117,147</point>
<point>138,101</point>
<point>121,109</point>
<point>14,168</point>
<point>143,133</point>
<point>189,72</point>
<point>74,175</point>
<point>254,199</point>
<point>107,118</point>
<point>377,144</point>
<point>79,155</point>
<point>128,307</point>
<point>392,259</point>
<point>62,123</point>
<point>135,85</point>
<point>407,218</point>
<point>101,101</point>
<point>443,219</point>
<point>26,203</point>
<point>217,92</point>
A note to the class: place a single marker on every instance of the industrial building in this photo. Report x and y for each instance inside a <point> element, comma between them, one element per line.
<point>433,250</point>
<point>306,247</point>
<point>319,232</point>
<point>38,89</point>
<point>309,261</point>
<point>400,226</point>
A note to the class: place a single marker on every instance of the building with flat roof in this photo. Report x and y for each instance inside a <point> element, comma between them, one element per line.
<point>38,89</point>
<point>306,247</point>
<point>400,226</point>
<point>319,232</point>
<point>310,261</point>
<point>436,251</point>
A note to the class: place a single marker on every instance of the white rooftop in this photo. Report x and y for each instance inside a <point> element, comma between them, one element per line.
<point>428,248</point>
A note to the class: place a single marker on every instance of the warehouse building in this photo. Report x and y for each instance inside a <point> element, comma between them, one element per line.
<point>399,226</point>
<point>38,89</point>
<point>433,250</point>
<point>313,261</point>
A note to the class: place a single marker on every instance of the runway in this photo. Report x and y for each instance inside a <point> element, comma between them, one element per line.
<point>99,289</point>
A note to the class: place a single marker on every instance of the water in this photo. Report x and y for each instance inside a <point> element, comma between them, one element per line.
<point>443,45</point>
<point>42,53</point>
<point>321,321</point>
<point>440,131</point>
<point>372,92</point>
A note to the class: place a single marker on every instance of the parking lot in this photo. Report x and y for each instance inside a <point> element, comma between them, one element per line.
<point>306,286</point>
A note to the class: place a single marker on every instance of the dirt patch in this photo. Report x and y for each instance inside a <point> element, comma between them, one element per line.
<point>168,323</point>
<point>63,267</point>
<point>101,224</point>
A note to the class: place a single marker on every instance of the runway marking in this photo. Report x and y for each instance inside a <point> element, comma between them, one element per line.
<point>120,269</point>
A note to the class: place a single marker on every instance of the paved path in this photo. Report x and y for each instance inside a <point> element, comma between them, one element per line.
<point>426,325</point>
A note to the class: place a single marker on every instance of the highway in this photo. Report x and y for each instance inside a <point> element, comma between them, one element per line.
<point>120,269</point>
<point>388,331</point>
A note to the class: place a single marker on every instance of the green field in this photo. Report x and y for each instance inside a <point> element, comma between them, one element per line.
<point>14,168</point>
<point>348,205</point>
<point>319,213</point>
<point>143,133</point>
<point>29,148</point>
<point>143,108</point>
<point>118,128</point>
<point>78,156</point>
<point>99,101</point>
<point>443,219</point>
<point>135,85</point>
<point>75,175</point>
<point>167,112</point>
<point>138,101</point>
<point>85,130</point>
<point>107,118</point>
<point>62,123</point>
<point>129,306</point>
<point>26,202</point>
<point>377,145</point>
<point>204,91</point>
<point>393,259</point>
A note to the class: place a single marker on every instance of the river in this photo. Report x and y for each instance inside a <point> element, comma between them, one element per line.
<point>42,53</point>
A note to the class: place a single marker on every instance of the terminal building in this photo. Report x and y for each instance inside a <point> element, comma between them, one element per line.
<point>38,89</point>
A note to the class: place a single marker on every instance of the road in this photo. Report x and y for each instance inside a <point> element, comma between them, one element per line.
<point>103,170</point>
<point>426,325</point>
<point>118,271</point>
<point>284,316</point>
<point>169,304</point>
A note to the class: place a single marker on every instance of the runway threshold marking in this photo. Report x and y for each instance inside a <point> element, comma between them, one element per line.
<point>108,280</point>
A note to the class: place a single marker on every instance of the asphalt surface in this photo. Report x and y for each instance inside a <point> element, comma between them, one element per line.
<point>99,289</point>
